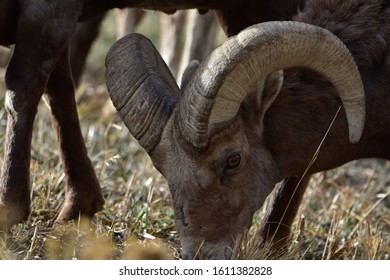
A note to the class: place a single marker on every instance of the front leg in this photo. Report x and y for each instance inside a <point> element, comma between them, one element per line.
<point>285,203</point>
<point>43,32</point>
<point>82,190</point>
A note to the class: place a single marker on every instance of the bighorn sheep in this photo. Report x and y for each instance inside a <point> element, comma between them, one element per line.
<point>41,31</point>
<point>238,126</point>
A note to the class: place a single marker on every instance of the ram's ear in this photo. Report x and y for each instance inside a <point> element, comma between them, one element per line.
<point>261,99</point>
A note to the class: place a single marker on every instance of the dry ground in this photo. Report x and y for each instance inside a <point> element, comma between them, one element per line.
<point>345,213</point>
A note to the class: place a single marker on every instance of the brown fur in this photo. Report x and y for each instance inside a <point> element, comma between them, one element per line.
<point>281,151</point>
<point>36,65</point>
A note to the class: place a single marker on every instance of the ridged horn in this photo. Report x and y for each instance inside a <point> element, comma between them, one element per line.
<point>223,79</point>
<point>141,88</point>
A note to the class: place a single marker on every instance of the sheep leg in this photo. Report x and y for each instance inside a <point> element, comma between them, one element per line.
<point>21,103</point>
<point>81,43</point>
<point>284,207</point>
<point>43,32</point>
<point>82,190</point>
<point>25,85</point>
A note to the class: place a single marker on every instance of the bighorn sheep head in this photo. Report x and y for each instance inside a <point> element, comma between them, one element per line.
<point>218,168</point>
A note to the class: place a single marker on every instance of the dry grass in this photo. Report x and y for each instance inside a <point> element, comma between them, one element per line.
<point>345,213</point>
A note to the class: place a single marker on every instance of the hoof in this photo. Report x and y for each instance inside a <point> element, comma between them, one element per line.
<point>76,207</point>
<point>12,214</point>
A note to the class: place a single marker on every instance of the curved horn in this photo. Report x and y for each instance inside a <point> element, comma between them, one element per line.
<point>141,88</point>
<point>224,79</point>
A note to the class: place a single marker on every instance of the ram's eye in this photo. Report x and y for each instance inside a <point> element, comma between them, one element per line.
<point>232,162</point>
